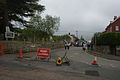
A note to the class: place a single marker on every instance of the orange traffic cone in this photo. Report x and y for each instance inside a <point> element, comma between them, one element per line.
<point>2,52</point>
<point>95,60</point>
<point>21,54</point>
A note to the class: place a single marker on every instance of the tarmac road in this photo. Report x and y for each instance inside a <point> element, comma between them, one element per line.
<point>80,68</point>
<point>81,62</point>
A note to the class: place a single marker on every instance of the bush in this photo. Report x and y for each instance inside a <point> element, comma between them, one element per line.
<point>112,39</point>
<point>108,38</point>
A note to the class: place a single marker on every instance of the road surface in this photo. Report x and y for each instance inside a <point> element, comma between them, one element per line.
<point>80,68</point>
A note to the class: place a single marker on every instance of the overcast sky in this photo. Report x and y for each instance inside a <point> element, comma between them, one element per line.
<point>84,16</point>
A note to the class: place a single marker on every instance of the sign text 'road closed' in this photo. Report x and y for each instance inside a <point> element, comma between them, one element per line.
<point>43,53</point>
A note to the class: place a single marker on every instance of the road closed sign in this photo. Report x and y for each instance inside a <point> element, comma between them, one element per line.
<point>43,53</point>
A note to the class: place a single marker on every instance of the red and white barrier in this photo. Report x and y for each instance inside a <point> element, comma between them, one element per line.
<point>45,53</point>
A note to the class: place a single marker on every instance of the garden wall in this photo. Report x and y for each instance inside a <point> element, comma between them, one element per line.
<point>14,46</point>
<point>105,49</point>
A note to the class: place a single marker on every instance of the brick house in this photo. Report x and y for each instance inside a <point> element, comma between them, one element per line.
<point>114,25</point>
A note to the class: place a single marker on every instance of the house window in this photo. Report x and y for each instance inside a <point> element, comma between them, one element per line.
<point>117,28</point>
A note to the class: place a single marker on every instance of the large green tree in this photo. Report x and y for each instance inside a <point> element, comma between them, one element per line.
<point>17,10</point>
<point>51,24</point>
<point>48,24</point>
<point>41,28</point>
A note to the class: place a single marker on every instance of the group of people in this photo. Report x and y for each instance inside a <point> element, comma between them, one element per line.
<point>66,44</point>
<point>87,46</point>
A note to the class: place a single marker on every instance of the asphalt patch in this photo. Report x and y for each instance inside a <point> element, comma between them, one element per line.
<point>91,73</point>
<point>15,66</point>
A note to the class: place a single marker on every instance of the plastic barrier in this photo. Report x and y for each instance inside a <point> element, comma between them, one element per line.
<point>44,53</point>
<point>2,49</point>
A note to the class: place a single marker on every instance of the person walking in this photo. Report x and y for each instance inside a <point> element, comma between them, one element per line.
<point>66,45</point>
<point>91,45</point>
<point>84,47</point>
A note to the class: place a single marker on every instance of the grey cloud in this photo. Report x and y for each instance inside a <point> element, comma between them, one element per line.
<point>88,16</point>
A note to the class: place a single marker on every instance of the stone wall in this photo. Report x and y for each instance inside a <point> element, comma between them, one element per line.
<point>102,49</point>
<point>118,50</point>
<point>106,50</point>
<point>14,46</point>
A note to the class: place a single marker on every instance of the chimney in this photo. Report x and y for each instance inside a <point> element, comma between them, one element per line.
<point>115,17</point>
<point>111,22</point>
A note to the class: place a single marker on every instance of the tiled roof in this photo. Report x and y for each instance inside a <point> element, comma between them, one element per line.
<point>111,22</point>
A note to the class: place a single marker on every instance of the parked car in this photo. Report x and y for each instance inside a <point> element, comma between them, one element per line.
<point>79,43</point>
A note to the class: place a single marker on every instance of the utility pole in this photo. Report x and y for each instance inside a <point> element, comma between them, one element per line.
<point>76,33</point>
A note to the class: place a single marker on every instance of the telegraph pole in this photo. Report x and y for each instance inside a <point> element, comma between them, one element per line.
<point>76,33</point>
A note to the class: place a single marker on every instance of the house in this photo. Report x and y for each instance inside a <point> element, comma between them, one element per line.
<point>73,39</point>
<point>114,25</point>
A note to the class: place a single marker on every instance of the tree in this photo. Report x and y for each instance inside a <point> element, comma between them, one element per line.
<point>31,34</point>
<point>46,26</point>
<point>61,37</point>
<point>81,38</point>
<point>96,37</point>
<point>51,24</point>
<point>17,10</point>
<point>112,39</point>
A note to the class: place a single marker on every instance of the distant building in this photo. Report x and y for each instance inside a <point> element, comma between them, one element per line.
<point>73,39</point>
<point>114,25</point>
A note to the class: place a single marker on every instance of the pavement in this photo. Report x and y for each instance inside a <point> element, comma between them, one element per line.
<point>107,56</point>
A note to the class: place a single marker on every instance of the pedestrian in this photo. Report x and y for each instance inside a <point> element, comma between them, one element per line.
<point>84,46</point>
<point>91,45</point>
<point>66,45</point>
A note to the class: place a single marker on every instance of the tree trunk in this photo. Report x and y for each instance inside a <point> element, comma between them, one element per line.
<point>5,17</point>
<point>5,14</point>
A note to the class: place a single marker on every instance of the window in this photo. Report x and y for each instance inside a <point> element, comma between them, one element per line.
<point>117,28</point>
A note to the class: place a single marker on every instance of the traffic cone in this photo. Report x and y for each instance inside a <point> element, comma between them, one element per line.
<point>2,52</point>
<point>95,60</point>
<point>21,54</point>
